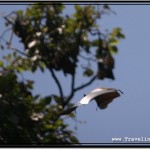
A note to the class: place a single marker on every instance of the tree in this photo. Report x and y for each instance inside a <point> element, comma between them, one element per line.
<point>57,43</point>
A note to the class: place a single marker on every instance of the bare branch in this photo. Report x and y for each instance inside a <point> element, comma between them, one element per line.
<point>58,84</point>
<point>11,37</point>
<point>79,88</point>
<point>86,84</point>
<point>73,82</point>
<point>17,50</point>
<point>88,59</point>
<point>4,32</point>
<point>72,91</point>
<point>6,17</point>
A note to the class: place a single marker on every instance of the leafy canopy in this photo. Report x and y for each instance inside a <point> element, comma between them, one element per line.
<point>57,43</point>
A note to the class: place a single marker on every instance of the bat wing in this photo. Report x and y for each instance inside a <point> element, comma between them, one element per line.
<point>105,98</point>
<point>93,94</point>
<point>102,96</point>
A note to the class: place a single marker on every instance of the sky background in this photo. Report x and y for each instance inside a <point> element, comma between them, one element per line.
<point>128,115</point>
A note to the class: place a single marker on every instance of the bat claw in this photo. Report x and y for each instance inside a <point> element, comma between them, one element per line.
<point>120,91</point>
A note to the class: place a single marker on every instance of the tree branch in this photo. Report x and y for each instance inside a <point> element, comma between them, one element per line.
<point>88,59</point>
<point>73,82</point>
<point>12,48</point>
<point>86,84</point>
<point>72,91</point>
<point>58,84</point>
<point>17,50</point>
<point>79,88</point>
<point>4,32</point>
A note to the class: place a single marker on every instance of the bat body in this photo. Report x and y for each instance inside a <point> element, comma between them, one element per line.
<point>102,96</point>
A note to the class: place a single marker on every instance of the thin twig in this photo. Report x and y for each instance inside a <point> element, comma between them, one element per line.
<point>4,32</point>
<point>88,59</point>
<point>11,37</point>
<point>17,50</point>
<point>6,17</point>
<point>73,82</point>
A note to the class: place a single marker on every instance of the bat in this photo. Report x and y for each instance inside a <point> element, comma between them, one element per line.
<point>102,96</point>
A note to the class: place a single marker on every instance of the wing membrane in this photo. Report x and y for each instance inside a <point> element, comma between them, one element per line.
<point>99,92</point>
<point>104,99</point>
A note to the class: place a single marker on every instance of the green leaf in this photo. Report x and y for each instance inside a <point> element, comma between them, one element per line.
<point>74,139</point>
<point>113,49</point>
<point>88,72</point>
<point>1,64</point>
<point>19,12</point>
<point>58,123</point>
<point>78,7</point>
<point>117,32</point>
<point>72,115</point>
<point>57,99</point>
<point>45,101</point>
<point>113,41</point>
<point>95,42</point>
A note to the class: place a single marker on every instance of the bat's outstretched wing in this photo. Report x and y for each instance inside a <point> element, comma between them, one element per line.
<point>107,97</point>
<point>98,92</point>
<point>102,96</point>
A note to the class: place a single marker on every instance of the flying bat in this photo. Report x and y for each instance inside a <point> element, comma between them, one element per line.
<point>102,96</point>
